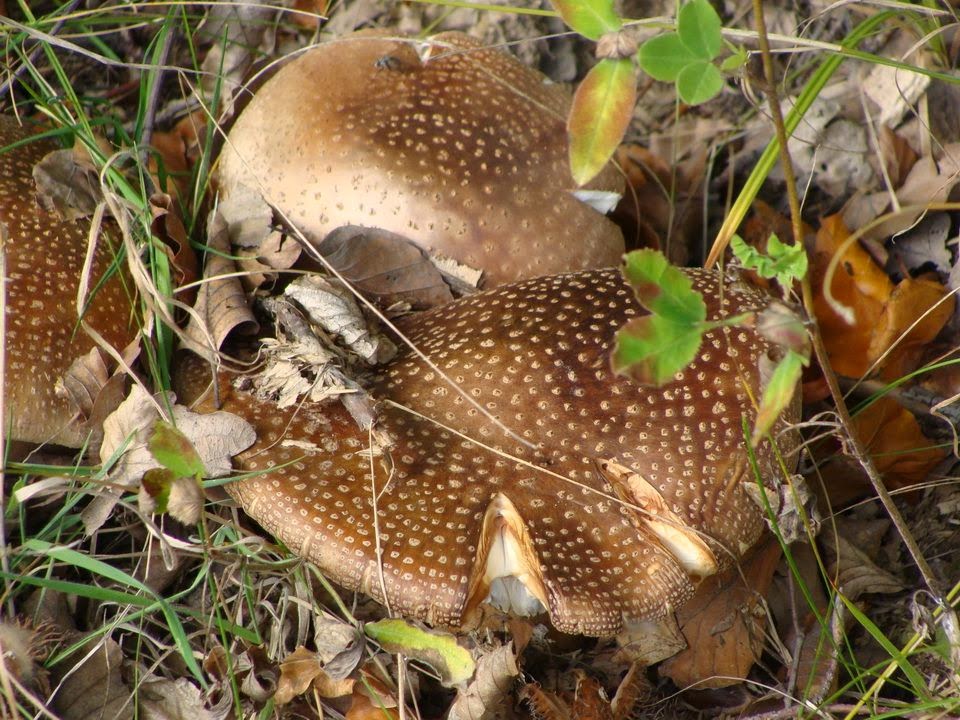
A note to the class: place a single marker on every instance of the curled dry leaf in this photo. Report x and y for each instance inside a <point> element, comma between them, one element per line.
<point>489,691</point>
<point>882,313</point>
<point>221,305</point>
<point>168,227</point>
<point>93,392</point>
<point>334,309</point>
<point>385,267</point>
<point>724,624</point>
<point>176,152</point>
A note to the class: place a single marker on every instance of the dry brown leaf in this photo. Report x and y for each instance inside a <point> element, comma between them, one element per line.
<point>488,691</point>
<point>309,13</point>
<point>372,701</point>
<point>168,227</point>
<point>221,304</point>
<point>387,268</point>
<point>590,701</point>
<point>68,183</point>
<point>238,31</point>
<point>90,685</point>
<point>922,301</point>
<point>897,154</point>
<point>929,181</point>
<point>649,212</point>
<point>303,669</point>
<point>859,284</point>
<point>650,641</point>
<point>724,624</point>
<point>899,450</point>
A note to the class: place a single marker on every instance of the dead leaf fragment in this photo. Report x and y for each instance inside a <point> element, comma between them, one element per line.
<point>303,669</point>
<point>912,317</point>
<point>489,691</point>
<point>387,268</point>
<point>68,183</point>
<point>217,437</point>
<point>899,450</point>
<point>723,624</point>
<point>882,332</point>
<point>334,309</point>
<point>221,305</point>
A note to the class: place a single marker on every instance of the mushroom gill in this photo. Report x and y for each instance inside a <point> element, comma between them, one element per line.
<point>466,514</point>
<point>460,149</point>
<point>45,258</point>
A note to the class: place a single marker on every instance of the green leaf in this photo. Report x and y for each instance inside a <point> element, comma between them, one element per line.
<point>698,82</point>
<point>174,451</point>
<point>778,393</point>
<point>663,289</point>
<point>664,56</point>
<point>439,650</point>
<point>653,349</point>
<point>699,28</point>
<point>590,18</point>
<point>602,110</point>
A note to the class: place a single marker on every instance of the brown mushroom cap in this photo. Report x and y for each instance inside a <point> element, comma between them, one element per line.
<point>44,261</point>
<point>464,153</point>
<point>466,514</point>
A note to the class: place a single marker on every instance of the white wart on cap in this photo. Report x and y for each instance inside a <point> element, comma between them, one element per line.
<point>463,152</point>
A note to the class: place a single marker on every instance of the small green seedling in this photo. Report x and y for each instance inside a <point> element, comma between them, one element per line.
<point>783,263</point>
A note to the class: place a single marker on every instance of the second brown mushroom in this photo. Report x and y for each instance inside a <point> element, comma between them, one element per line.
<point>541,481</point>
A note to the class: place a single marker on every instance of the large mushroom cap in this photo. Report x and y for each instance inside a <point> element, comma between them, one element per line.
<point>463,152</point>
<point>45,257</point>
<point>632,493</point>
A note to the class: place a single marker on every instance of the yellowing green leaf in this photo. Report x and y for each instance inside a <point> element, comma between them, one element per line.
<point>590,18</point>
<point>439,650</point>
<point>174,451</point>
<point>602,109</point>
<point>778,393</point>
